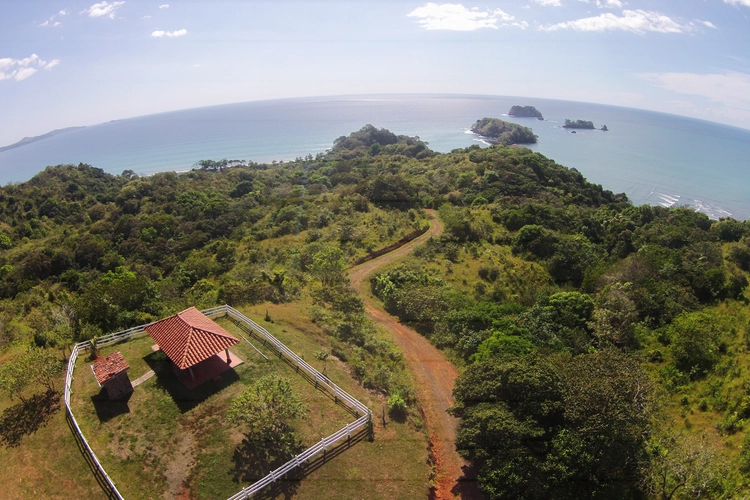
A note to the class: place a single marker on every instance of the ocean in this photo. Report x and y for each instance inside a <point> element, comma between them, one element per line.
<point>654,158</point>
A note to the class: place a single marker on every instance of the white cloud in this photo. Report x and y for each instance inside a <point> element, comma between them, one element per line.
<point>730,88</point>
<point>637,21</point>
<point>708,23</point>
<point>549,3</point>
<point>746,3</point>
<point>20,69</point>
<point>102,9</point>
<point>612,4</point>
<point>164,6</point>
<point>169,34</point>
<point>52,22</point>
<point>456,17</point>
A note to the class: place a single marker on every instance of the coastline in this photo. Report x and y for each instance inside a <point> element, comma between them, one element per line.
<point>707,164</point>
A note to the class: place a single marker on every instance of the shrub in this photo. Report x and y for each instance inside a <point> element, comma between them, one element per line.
<point>396,405</point>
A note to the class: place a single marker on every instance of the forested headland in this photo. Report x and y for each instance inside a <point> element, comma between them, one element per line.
<point>603,346</point>
<point>502,132</point>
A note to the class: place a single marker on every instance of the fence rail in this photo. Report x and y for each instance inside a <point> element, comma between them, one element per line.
<point>360,410</point>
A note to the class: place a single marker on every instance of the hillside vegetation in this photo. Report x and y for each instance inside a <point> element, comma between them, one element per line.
<point>604,346</point>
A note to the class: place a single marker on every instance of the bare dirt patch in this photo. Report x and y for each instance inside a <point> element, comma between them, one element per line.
<point>179,467</point>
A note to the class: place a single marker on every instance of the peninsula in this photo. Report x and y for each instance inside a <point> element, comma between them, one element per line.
<point>525,112</point>
<point>502,132</point>
<point>29,140</point>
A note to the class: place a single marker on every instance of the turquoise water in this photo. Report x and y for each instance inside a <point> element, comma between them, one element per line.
<point>655,158</point>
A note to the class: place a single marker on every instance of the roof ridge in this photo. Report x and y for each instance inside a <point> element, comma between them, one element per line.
<point>199,335</point>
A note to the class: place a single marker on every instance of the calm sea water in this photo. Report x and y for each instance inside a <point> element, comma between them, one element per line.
<point>655,158</point>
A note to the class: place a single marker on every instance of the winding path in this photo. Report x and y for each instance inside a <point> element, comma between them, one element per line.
<point>432,372</point>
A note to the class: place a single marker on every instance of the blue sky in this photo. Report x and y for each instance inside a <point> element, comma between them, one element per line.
<point>67,63</point>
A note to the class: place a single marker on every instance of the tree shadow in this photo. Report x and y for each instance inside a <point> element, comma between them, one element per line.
<point>107,409</point>
<point>25,418</point>
<point>398,415</point>
<point>288,484</point>
<point>467,486</point>
<point>254,459</point>
<point>186,399</point>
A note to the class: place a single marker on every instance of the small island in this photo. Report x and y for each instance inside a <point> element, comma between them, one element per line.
<point>525,112</point>
<point>604,128</point>
<point>582,124</point>
<point>502,132</point>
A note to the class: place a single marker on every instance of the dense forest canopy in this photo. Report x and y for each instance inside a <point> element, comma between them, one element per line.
<point>603,345</point>
<point>502,132</point>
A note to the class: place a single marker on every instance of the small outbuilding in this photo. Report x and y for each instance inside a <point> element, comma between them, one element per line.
<point>111,374</point>
<point>198,347</point>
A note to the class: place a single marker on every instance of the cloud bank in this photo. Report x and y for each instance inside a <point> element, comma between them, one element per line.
<point>20,69</point>
<point>730,88</point>
<point>456,17</point>
<point>168,34</point>
<point>103,9</point>
<point>746,3</point>
<point>637,21</point>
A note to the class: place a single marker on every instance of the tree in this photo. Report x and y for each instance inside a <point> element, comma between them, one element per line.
<point>560,427</point>
<point>42,366</point>
<point>509,410</point>
<point>118,300</point>
<point>13,380</point>
<point>697,341</point>
<point>536,241</point>
<point>608,407</point>
<point>682,463</point>
<point>614,317</point>
<point>267,407</point>
<point>265,412</point>
<point>328,265</point>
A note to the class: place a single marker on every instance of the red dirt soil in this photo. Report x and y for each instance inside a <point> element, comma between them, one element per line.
<point>433,373</point>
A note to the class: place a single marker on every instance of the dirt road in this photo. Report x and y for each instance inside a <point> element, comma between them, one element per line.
<point>432,372</point>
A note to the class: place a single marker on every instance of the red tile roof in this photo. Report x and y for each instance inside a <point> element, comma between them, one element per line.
<point>105,368</point>
<point>189,337</point>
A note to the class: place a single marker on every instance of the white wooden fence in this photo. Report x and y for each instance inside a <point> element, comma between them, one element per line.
<point>364,415</point>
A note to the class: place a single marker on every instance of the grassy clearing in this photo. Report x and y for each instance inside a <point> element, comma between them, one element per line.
<point>46,464</point>
<point>168,441</point>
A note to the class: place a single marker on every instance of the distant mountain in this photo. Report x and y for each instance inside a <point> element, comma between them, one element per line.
<point>29,140</point>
